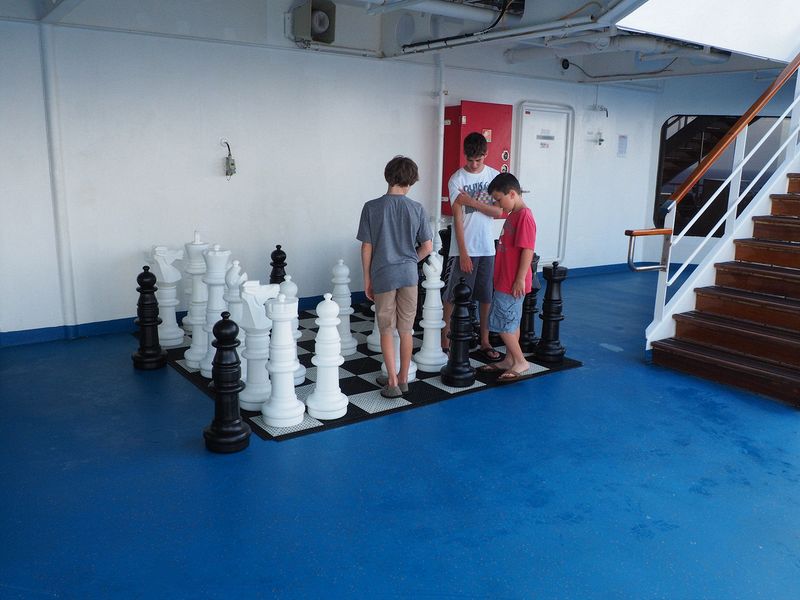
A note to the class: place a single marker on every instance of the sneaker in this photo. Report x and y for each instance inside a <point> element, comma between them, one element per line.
<point>391,391</point>
<point>384,381</point>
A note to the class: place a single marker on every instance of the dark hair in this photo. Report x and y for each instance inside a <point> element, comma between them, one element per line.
<point>474,145</point>
<point>504,183</point>
<point>401,171</point>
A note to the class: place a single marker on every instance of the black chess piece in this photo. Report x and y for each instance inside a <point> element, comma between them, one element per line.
<point>278,264</point>
<point>527,329</point>
<point>149,355</point>
<point>475,341</point>
<point>549,349</point>
<point>227,432</point>
<point>458,372</point>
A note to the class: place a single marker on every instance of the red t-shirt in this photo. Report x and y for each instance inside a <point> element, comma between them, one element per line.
<point>519,232</point>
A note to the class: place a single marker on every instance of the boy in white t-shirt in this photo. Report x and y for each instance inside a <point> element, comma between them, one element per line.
<point>472,243</point>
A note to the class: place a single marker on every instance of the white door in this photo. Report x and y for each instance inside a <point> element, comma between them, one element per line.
<point>543,159</point>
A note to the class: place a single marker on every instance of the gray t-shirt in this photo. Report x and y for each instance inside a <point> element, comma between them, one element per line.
<point>395,225</point>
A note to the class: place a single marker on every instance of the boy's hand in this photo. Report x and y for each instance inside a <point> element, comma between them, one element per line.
<point>465,262</point>
<point>368,290</point>
<point>518,289</point>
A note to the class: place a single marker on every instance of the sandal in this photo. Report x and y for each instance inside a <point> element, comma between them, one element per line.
<point>391,391</point>
<point>491,368</point>
<point>489,355</point>
<point>509,376</point>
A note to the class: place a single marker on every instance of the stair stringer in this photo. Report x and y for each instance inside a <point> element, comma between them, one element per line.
<point>683,300</point>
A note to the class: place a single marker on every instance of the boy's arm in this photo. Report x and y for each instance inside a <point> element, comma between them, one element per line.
<point>424,250</point>
<point>464,261</point>
<point>525,258</point>
<point>490,210</point>
<point>366,261</point>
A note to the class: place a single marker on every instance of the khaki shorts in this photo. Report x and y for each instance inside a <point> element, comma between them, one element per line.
<point>396,309</point>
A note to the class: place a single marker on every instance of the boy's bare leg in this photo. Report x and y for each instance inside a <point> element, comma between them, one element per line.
<point>387,348</point>
<point>447,313</point>
<point>484,324</point>
<point>406,348</point>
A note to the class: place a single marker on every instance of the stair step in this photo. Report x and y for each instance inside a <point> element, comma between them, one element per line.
<point>732,369</point>
<point>763,279</point>
<point>740,337</point>
<point>777,228</point>
<point>783,254</point>
<point>786,205</point>
<point>794,182</point>
<point>782,313</point>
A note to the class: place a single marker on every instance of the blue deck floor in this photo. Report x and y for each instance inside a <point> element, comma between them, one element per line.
<point>616,480</point>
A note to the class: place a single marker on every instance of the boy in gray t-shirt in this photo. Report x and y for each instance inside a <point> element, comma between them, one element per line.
<point>394,235</point>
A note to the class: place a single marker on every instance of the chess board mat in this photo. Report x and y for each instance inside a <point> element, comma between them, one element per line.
<point>357,380</point>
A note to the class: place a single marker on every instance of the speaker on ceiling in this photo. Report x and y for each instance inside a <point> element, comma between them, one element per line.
<point>314,21</point>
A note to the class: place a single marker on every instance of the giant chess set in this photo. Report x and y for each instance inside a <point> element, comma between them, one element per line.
<point>282,372</point>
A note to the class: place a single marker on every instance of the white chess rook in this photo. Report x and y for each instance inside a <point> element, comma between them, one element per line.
<point>257,325</point>
<point>282,409</point>
<point>197,307</point>
<point>327,400</point>
<point>412,368</point>
<point>167,278</point>
<point>234,278</point>
<point>289,289</point>
<point>374,338</point>
<point>341,295</point>
<point>430,358</point>
<point>216,266</point>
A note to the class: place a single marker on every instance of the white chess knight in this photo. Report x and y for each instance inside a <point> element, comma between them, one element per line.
<point>167,278</point>
<point>196,317</point>
<point>327,400</point>
<point>257,326</point>
<point>341,295</point>
<point>234,278</point>
<point>430,358</point>
<point>289,289</point>
<point>216,266</point>
<point>282,409</point>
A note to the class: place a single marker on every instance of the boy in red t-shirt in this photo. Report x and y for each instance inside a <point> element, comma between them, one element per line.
<point>512,274</point>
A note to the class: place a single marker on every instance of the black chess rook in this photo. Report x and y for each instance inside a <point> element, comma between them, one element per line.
<point>149,355</point>
<point>458,372</point>
<point>227,432</point>
<point>278,264</point>
<point>527,329</point>
<point>549,349</point>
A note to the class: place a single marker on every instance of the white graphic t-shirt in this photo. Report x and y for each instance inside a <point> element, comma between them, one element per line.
<point>478,231</point>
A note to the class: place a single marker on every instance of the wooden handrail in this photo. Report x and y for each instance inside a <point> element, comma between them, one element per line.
<point>727,139</point>
<point>641,232</point>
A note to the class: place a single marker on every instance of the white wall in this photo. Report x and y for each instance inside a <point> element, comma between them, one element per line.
<point>139,123</point>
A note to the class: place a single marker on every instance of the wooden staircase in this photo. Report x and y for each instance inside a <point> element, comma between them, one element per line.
<point>745,330</point>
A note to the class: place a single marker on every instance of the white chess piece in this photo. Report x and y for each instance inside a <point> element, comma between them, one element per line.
<point>430,358</point>
<point>282,409</point>
<point>216,266</point>
<point>167,278</point>
<point>289,289</point>
<point>196,317</point>
<point>327,400</point>
<point>234,278</point>
<point>374,338</point>
<point>412,367</point>
<point>341,295</point>
<point>437,238</point>
<point>257,325</point>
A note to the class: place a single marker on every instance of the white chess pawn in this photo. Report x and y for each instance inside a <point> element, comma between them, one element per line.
<point>167,278</point>
<point>216,266</point>
<point>289,289</point>
<point>196,317</point>
<point>412,368</point>
<point>430,358</point>
<point>342,297</point>
<point>234,278</point>
<point>282,409</point>
<point>374,338</point>
<point>327,400</point>
<point>257,325</point>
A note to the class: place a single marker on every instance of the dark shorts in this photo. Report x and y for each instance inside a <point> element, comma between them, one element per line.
<point>506,313</point>
<point>480,280</point>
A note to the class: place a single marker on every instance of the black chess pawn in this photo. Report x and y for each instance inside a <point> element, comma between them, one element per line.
<point>458,372</point>
<point>527,329</point>
<point>149,355</point>
<point>278,264</point>
<point>227,432</point>
<point>549,349</point>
